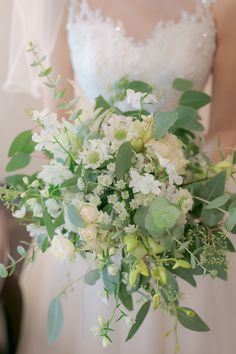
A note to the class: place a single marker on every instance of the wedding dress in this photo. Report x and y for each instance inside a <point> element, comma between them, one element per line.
<point>101,53</point>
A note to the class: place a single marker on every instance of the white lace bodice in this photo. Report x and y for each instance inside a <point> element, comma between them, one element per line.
<point>102,52</point>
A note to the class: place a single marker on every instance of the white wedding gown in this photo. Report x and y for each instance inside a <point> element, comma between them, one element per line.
<point>101,53</point>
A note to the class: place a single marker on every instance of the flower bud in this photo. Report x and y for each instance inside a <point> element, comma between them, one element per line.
<point>156,300</point>
<point>180,263</point>
<point>155,247</point>
<point>89,213</point>
<point>62,248</point>
<point>131,242</point>
<point>137,145</point>
<point>133,277</point>
<point>163,275</point>
<point>142,268</point>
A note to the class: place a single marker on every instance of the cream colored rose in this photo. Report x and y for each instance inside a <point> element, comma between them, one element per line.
<point>62,248</point>
<point>89,233</point>
<point>89,213</point>
<point>171,148</point>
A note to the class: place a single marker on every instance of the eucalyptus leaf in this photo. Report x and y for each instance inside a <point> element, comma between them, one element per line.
<point>125,297</point>
<point>18,161</point>
<point>182,84</point>
<point>123,159</point>
<point>190,319</point>
<point>195,99</point>
<point>231,219</point>
<point>92,277</point>
<point>214,188</point>
<point>70,182</point>
<point>48,223</point>
<point>22,143</point>
<point>111,283</point>
<point>141,315</point>
<point>55,320</point>
<point>139,86</point>
<point>3,271</point>
<point>74,216</point>
<point>186,117</point>
<point>163,121</point>
<point>219,202</point>
<point>21,251</point>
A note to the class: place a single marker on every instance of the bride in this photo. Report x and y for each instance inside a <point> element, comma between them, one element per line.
<point>154,41</point>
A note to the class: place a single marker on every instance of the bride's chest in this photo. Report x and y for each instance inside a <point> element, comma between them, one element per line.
<point>101,52</point>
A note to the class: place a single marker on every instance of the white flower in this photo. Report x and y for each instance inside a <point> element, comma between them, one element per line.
<point>125,195</point>
<point>80,184</point>
<point>53,207</point>
<point>55,173</point>
<point>45,192</point>
<point>112,198</point>
<point>104,218</point>
<point>185,200</point>
<point>20,213</point>
<point>46,119</point>
<point>120,184</point>
<point>130,229</point>
<point>142,200</point>
<point>89,233</point>
<point>89,213</point>
<point>95,153</point>
<point>170,148</point>
<point>172,173</point>
<point>105,180</point>
<point>93,199</point>
<point>36,207</point>
<point>111,167</point>
<point>62,248</point>
<point>135,98</point>
<point>36,230</point>
<point>145,184</point>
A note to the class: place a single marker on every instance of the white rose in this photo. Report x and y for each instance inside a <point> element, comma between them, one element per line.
<point>89,233</point>
<point>89,213</point>
<point>62,248</point>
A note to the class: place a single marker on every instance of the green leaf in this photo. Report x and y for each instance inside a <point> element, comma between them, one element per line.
<point>234,158</point>
<point>92,277</point>
<point>48,223</point>
<point>70,182</point>
<point>59,94</point>
<point>111,282</point>
<point>219,202</point>
<point>74,216</point>
<point>16,181</point>
<point>22,252</point>
<point>139,86</point>
<point>214,188</point>
<point>55,320</point>
<point>195,99</point>
<point>182,84</point>
<point>45,72</point>
<point>211,217</point>
<point>231,220</point>
<point>22,143</point>
<point>125,297</point>
<point>139,216</point>
<point>141,315</point>
<point>18,161</point>
<point>123,159</point>
<point>163,121</point>
<point>161,215</point>
<point>187,117</point>
<point>185,274</point>
<point>42,241</point>
<point>3,271</point>
<point>101,104</point>
<point>190,319</point>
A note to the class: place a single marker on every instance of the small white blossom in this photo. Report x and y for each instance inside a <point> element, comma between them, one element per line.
<point>53,207</point>
<point>145,184</point>
<point>103,218</point>
<point>93,199</point>
<point>112,199</point>
<point>111,167</point>
<point>89,213</point>
<point>36,230</point>
<point>172,173</point>
<point>130,229</point>
<point>125,195</point>
<point>105,180</point>
<point>35,207</point>
<point>185,200</point>
<point>80,184</point>
<point>95,153</point>
<point>55,173</point>
<point>135,98</point>
<point>20,213</point>
<point>120,184</point>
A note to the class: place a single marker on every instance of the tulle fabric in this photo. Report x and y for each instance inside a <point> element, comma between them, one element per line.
<point>36,21</point>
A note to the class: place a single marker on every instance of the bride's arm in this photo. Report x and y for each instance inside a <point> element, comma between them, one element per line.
<point>223,110</point>
<point>60,61</point>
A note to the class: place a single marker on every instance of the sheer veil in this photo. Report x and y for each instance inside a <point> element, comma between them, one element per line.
<point>36,21</point>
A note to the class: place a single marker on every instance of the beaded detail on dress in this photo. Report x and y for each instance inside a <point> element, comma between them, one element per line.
<point>102,52</point>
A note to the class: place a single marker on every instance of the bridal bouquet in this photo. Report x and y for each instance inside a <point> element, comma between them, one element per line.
<point>130,191</point>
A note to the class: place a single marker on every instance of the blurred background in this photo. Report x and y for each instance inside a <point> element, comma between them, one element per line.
<point>12,122</point>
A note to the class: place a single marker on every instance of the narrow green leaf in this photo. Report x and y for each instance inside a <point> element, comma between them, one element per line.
<point>123,159</point>
<point>231,220</point>
<point>125,297</point>
<point>163,121</point>
<point>59,94</point>
<point>74,216</point>
<point>18,161</point>
<point>3,271</point>
<point>214,188</point>
<point>43,243</point>
<point>45,72</point>
<point>70,182</point>
<point>195,99</point>
<point>182,84</point>
<point>219,202</point>
<point>190,319</point>
<point>48,223</point>
<point>55,320</point>
<point>92,277</point>
<point>101,104</point>
<point>22,143</point>
<point>141,315</point>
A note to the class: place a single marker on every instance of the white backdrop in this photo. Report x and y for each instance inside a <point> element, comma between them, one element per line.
<point>12,106</point>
